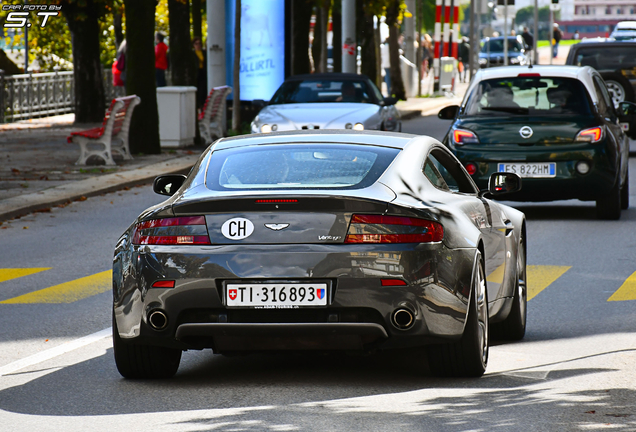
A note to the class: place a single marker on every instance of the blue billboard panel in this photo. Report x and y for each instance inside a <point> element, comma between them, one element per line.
<point>262,47</point>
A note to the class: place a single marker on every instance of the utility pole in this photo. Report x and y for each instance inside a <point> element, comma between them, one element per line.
<point>471,59</point>
<point>349,47</point>
<point>505,35</point>
<point>550,33</point>
<point>535,53</point>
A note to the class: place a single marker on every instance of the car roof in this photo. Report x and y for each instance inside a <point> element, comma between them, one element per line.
<point>600,43</point>
<point>580,73</point>
<point>630,25</point>
<point>331,76</point>
<point>374,138</point>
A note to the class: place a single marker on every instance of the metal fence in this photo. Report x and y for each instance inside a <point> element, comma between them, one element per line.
<point>28,96</point>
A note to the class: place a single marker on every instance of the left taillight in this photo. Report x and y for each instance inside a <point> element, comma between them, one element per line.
<point>463,136</point>
<point>186,230</point>
<point>591,135</point>
<point>393,229</point>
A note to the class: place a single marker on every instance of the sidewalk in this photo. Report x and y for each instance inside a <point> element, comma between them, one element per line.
<point>38,168</point>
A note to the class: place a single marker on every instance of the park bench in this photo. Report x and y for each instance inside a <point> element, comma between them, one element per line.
<point>211,116</point>
<point>111,136</point>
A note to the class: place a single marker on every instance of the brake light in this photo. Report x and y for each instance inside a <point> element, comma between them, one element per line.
<point>462,136</point>
<point>163,284</point>
<point>471,168</point>
<point>393,229</point>
<point>592,135</point>
<point>188,230</point>
<point>529,75</point>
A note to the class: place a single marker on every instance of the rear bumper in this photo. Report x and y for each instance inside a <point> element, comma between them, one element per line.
<point>357,316</point>
<point>568,182</point>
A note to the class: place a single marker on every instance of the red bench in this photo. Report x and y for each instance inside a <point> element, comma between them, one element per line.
<point>111,137</point>
<point>211,116</point>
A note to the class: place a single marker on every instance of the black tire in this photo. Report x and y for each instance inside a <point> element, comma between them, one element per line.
<point>609,207</point>
<point>619,88</point>
<point>136,361</point>
<point>514,326</point>
<point>625,193</point>
<point>467,357</point>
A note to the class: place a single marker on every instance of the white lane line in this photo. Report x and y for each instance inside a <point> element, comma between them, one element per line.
<point>54,352</point>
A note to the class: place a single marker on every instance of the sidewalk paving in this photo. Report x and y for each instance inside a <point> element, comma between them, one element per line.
<point>38,171</point>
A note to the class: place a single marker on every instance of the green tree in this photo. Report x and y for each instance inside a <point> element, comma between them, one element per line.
<point>394,12</point>
<point>140,75</point>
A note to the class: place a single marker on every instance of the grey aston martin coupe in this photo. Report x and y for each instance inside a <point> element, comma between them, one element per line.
<point>321,240</point>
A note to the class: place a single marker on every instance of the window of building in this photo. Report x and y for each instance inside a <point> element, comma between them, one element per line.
<point>608,10</point>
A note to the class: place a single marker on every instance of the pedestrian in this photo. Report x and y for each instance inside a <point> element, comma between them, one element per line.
<point>118,83</point>
<point>464,58</point>
<point>161,59</point>
<point>386,65</point>
<point>120,61</point>
<point>576,35</point>
<point>202,72</point>
<point>528,39</point>
<point>556,38</point>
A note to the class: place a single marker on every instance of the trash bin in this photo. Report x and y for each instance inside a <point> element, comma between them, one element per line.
<point>177,115</point>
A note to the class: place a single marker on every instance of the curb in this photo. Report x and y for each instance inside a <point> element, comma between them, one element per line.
<point>29,203</point>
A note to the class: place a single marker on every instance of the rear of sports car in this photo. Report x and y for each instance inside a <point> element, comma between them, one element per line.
<point>290,247</point>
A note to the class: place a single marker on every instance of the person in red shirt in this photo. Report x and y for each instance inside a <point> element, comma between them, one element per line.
<point>161,60</point>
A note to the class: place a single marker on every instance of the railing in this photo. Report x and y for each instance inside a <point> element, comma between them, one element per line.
<point>28,96</point>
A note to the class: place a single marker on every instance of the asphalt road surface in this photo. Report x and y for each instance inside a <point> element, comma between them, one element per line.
<point>574,371</point>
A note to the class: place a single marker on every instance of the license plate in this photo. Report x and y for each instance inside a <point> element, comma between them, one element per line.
<point>531,169</point>
<point>276,295</point>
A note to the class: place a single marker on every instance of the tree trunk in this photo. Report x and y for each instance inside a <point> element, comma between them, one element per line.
<point>117,24</point>
<point>197,27</point>
<point>82,19</point>
<point>336,22</point>
<point>301,19</point>
<point>140,75</point>
<point>183,66</point>
<point>397,85</point>
<point>366,41</point>
<point>236,91</point>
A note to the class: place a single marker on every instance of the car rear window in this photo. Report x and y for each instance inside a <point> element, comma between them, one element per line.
<point>528,96</point>
<point>606,58</point>
<point>298,166</point>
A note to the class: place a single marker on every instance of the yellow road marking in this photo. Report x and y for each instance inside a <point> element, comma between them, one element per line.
<point>14,273</point>
<point>497,275</point>
<point>541,276</point>
<point>627,291</point>
<point>68,292</point>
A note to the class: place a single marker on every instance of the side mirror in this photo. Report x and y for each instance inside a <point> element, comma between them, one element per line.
<point>168,184</point>
<point>627,117</point>
<point>502,183</point>
<point>448,113</point>
<point>388,101</point>
<point>259,103</point>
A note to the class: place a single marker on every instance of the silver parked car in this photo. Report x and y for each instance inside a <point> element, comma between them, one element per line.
<point>328,101</point>
<point>322,240</point>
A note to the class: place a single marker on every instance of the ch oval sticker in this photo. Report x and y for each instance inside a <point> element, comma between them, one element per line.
<point>237,228</point>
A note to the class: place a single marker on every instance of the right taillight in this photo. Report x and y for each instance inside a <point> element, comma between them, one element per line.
<point>393,229</point>
<point>463,136</point>
<point>591,135</point>
<point>186,230</point>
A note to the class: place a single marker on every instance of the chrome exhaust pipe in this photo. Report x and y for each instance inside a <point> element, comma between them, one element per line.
<point>403,319</point>
<point>158,319</point>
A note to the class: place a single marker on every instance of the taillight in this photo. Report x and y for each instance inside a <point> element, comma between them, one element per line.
<point>393,229</point>
<point>591,135</point>
<point>462,136</point>
<point>187,230</point>
<point>471,168</point>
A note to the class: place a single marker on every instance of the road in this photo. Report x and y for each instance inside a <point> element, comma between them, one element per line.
<point>574,371</point>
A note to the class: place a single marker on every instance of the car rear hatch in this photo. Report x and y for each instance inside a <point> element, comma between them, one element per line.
<point>526,131</point>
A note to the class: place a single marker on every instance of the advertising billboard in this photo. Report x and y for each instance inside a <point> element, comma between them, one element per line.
<point>262,47</point>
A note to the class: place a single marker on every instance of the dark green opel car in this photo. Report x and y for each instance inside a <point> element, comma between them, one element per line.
<point>556,127</point>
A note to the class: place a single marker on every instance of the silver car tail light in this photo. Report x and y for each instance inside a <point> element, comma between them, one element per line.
<point>393,229</point>
<point>187,230</point>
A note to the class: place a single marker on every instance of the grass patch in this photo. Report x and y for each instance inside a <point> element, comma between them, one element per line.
<point>545,43</point>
